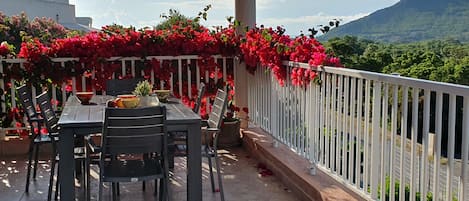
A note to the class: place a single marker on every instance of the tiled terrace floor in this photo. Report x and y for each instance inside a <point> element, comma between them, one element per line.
<point>242,181</point>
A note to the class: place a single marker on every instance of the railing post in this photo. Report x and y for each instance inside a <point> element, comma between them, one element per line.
<point>375,146</point>
<point>465,148</point>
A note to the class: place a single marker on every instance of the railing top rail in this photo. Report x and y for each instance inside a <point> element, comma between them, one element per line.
<point>66,59</point>
<point>456,89</point>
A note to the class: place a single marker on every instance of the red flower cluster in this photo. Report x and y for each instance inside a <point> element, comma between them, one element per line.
<point>4,49</point>
<point>93,48</point>
<point>267,47</point>
<point>270,47</point>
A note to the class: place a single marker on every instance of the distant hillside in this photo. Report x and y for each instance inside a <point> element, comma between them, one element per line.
<point>411,20</point>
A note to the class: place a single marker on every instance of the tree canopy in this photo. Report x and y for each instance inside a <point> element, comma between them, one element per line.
<point>438,60</point>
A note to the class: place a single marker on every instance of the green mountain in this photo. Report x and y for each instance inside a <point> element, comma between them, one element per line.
<point>411,20</point>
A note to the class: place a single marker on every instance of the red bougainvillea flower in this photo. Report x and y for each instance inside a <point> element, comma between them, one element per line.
<point>245,109</point>
<point>44,131</point>
<point>5,49</point>
<point>269,48</point>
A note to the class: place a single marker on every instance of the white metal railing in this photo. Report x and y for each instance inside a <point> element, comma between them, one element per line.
<point>356,127</point>
<point>182,72</point>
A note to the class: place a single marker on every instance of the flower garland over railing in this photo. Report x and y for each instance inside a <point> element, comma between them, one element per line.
<point>264,47</point>
<point>94,48</point>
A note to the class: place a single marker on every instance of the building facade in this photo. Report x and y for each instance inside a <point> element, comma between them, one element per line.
<point>59,10</point>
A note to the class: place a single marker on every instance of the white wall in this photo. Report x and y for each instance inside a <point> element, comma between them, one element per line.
<point>87,21</point>
<point>37,8</point>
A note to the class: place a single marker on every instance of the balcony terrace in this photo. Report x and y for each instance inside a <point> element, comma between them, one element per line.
<point>346,130</point>
<point>349,132</point>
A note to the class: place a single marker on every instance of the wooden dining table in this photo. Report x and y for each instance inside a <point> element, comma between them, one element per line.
<point>79,120</point>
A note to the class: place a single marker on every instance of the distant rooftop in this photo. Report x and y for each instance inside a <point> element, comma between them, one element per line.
<point>59,10</point>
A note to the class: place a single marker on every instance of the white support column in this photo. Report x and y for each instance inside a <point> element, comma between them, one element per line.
<point>245,12</point>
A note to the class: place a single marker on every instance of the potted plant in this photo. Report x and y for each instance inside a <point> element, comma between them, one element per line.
<point>143,91</point>
<point>230,135</point>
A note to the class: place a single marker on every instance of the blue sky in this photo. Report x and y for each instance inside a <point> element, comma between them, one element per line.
<point>294,15</point>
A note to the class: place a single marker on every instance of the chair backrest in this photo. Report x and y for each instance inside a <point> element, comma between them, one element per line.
<point>199,98</point>
<point>134,131</point>
<point>47,112</point>
<point>26,101</point>
<point>218,109</point>
<point>115,87</point>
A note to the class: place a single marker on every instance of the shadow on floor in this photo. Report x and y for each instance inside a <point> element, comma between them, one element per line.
<point>244,179</point>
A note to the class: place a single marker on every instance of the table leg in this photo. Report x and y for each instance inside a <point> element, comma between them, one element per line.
<point>194,163</point>
<point>66,165</point>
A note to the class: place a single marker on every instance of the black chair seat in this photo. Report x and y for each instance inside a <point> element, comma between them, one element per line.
<point>132,170</point>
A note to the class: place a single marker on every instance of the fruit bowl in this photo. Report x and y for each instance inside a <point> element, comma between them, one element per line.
<point>130,102</point>
<point>162,95</point>
<point>84,97</point>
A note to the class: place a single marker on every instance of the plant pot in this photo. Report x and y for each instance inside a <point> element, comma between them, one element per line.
<point>149,101</point>
<point>230,135</point>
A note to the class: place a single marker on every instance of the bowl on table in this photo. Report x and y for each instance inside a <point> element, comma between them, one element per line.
<point>163,95</point>
<point>129,100</point>
<point>84,97</point>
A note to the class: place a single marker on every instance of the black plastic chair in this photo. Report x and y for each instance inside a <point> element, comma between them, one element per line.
<point>135,132</point>
<point>180,137</point>
<point>200,95</point>
<point>210,133</point>
<point>116,87</point>
<point>51,123</point>
<point>36,139</point>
